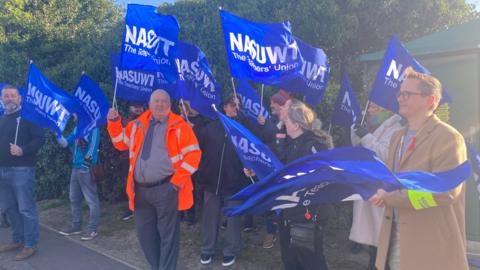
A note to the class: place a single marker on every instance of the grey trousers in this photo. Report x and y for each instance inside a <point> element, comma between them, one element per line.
<point>157,224</point>
<point>83,186</point>
<point>212,206</point>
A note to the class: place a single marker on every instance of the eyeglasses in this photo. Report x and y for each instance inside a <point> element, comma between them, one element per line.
<point>406,94</point>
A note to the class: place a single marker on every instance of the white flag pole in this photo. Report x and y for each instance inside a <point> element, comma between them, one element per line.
<point>233,86</point>
<point>114,101</point>
<point>364,113</point>
<point>261,95</point>
<point>184,110</point>
<point>16,130</point>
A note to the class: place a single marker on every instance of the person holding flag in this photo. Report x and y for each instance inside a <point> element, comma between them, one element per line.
<point>198,123</point>
<point>304,130</point>
<point>423,230</point>
<point>272,132</point>
<point>301,227</point>
<point>376,135</point>
<point>84,155</point>
<point>164,153</point>
<point>135,109</point>
<point>222,176</point>
<point>20,141</point>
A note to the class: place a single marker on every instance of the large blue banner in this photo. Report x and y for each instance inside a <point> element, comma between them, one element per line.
<point>315,74</point>
<point>265,53</point>
<point>253,153</point>
<point>251,103</point>
<point>333,176</point>
<point>196,81</point>
<point>346,110</point>
<point>138,85</point>
<point>47,104</point>
<point>391,75</point>
<point>149,41</point>
<point>474,159</point>
<point>94,106</point>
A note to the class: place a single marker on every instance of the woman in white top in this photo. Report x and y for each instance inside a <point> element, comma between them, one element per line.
<point>367,218</point>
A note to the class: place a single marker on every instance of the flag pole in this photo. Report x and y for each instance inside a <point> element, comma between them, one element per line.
<point>114,101</point>
<point>329,128</point>
<point>18,121</point>
<point>261,96</point>
<point>16,131</point>
<point>233,86</point>
<point>364,113</point>
<point>184,110</point>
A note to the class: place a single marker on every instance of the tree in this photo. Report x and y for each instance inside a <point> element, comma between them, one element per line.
<point>63,38</point>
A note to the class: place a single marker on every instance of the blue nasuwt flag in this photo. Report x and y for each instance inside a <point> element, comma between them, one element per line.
<point>335,175</point>
<point>250,102</point>
<point>346,110</point>
<point>253,153</point>
<point>264,53</point>
<point>149,41</point>
<point>94,106</point>
<point>315,74</point>
<point>474,158</point>
<point>46,104</point>
<point>196,82</point>
<point>138,85</point>
<point>391,75</point>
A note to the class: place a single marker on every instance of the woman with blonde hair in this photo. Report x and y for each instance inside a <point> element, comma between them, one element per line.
<point>304,129</point>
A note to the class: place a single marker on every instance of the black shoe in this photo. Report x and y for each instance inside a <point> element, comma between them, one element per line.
<point>89,236</point>
<point>205,259</point>
<point>127,216</point>
<point>356,248</point>
<point>224,225</point>
<point>228,260</point>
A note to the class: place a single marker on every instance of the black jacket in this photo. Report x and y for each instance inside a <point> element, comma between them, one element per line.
<point>30,138</point>
<point>223,180</point>
<point>306,144</point>
<point>275,138</point>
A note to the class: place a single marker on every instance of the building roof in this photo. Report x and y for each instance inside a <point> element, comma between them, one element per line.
<point>463,37</point>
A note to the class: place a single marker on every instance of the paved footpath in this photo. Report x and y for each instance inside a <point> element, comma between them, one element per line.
<point>55,252</point>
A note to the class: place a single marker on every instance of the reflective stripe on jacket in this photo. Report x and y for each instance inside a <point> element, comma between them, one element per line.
<point>182,147</point>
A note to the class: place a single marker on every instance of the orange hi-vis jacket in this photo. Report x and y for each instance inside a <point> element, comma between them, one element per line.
<point>182,147</point>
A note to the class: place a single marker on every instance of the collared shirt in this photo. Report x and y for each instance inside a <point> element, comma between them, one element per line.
<point>154,164</point>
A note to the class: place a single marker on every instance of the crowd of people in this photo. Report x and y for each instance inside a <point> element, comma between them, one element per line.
<point>177,165</point>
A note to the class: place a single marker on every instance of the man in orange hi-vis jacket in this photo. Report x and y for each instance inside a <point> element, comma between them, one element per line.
<point>164,153</point>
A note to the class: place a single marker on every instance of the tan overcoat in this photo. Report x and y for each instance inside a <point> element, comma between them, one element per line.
<point>432,238</point>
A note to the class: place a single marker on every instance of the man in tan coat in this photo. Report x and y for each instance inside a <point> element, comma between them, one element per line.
<point>423,230</point>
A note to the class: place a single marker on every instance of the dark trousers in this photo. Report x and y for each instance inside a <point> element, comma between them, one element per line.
<point>212,207</point>
<point>295,258</point>
<point>157,224</point>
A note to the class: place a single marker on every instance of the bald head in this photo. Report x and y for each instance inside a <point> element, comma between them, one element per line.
<point>159,104</point>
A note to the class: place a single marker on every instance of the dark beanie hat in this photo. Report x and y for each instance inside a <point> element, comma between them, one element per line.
<point>281,97</point>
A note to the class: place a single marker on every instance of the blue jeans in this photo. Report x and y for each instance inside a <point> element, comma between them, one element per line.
<point>82,186</point>
<point>17,197</point>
